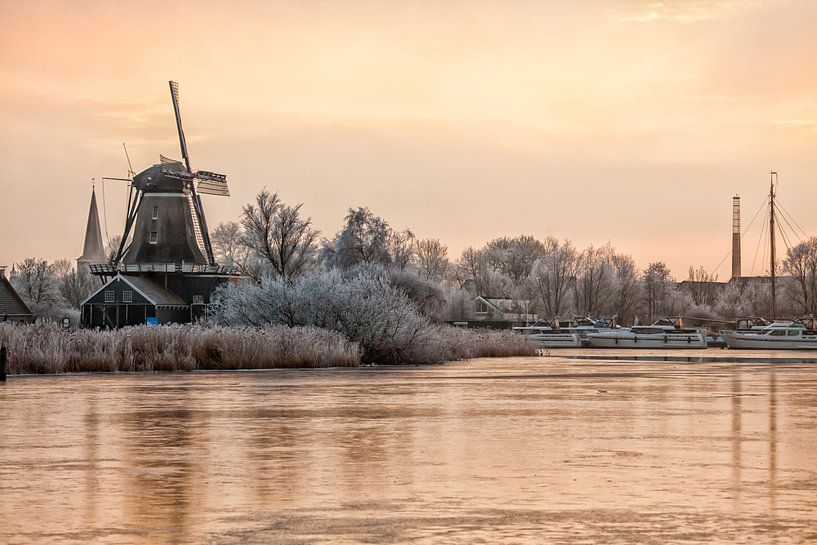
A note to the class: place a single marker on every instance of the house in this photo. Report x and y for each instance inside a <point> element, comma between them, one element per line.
<point>502,309</point>
<point>133,299</point>
<point>496,313</point>
<point>12,306</point>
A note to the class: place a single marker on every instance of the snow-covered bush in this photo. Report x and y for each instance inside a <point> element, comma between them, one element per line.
<point>366,307</point>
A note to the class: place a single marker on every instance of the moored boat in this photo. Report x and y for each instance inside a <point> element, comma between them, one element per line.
<point>794,335</point>
<point>544,334</point>
<point>659,335</point>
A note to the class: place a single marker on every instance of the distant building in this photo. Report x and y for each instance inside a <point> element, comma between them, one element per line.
<point>12,306</point>
<point>494,313</point>
<point>93,251</point>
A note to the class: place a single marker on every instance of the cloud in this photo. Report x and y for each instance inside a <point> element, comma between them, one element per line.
<point>687,11</point>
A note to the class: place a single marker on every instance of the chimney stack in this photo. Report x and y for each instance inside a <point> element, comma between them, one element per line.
<point>735,237</point>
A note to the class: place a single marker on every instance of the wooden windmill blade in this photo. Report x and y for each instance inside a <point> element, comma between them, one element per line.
<point>195,201</point>
<point>212,183</point>
<point>174,94</point>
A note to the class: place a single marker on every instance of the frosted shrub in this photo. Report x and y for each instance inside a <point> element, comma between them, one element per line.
<point>365,307</point>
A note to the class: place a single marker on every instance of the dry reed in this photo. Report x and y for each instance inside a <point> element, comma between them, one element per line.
<point>46,348</point>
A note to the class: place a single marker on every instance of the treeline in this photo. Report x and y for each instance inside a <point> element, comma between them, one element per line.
<point>549,277</point>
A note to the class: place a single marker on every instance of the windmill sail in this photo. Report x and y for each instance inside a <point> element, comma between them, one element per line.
<point>167,160</point>
<point>210,183</point>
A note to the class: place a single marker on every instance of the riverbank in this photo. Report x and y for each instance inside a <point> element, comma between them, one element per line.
<point>45,348</point>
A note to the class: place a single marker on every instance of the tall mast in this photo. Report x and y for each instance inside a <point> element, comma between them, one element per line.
<point>772,177</point>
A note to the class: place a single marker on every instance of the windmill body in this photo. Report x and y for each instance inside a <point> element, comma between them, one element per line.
<point>165,226</point>
<point>164,270</point>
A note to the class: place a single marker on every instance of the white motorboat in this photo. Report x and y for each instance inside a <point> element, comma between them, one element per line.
<point>777,336</point>
<point>658,335</point>
<point>547,336</point>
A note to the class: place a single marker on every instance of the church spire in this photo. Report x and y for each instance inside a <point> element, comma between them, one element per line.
<point>93,250</point>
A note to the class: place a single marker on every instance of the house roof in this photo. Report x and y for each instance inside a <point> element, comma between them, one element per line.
<point>153,291</point>
<point>10,302</point>
<point>147,288</point>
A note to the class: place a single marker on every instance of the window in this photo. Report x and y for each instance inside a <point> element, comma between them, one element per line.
<point>155,212</point>
<point>127,296</point>
<point>777,332</point>
<point>480,307</point>
<point>198,299</point>
<point>110,296</point>
<point>794,333</point>
<point>154,237</point>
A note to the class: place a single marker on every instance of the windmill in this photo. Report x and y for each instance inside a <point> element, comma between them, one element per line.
<point>165,211</point>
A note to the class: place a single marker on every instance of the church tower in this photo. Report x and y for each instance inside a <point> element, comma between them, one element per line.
<point>93,252</point>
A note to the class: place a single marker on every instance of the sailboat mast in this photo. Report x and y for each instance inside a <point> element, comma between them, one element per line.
<point>773,256</point>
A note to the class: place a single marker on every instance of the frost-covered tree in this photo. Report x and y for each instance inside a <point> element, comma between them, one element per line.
<point>112,247</point>
<point>285,242</point>
<point>75,286</point>
<point>36,281</point>
<point>230,250</point>
<point>657,283</point>
<point>426,295</point>
<point>594,283</point>
<point>470,272</point>
<point>626,288</point>
<point>702,287</point>
<point>553,276</point>
<point>431,259</point>
<point>514,257</point>
<point>366,239</point>
<point>801,264</point>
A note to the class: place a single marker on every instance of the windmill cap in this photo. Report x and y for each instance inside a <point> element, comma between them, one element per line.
<point>162,178</point>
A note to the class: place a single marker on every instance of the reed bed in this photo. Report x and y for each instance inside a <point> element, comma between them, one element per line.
<point>47,348</point>
<point>447,343</point>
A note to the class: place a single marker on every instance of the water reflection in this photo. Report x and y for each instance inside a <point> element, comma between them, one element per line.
<point>737,437</point>
<point>513,450</point>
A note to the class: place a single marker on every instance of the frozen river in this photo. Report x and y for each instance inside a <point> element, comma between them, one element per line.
<point>518,450</point>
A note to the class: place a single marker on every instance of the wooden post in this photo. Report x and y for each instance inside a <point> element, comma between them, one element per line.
<point>2,364</point>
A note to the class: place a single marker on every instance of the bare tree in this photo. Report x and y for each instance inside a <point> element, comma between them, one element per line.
<point>554,274</point>
<point>471,272</point>
<point>657,283</point>
<point>36,281</point>
<point>626,289</point>
<point>112,247</point>
<point>226,240</point>
<point>75,286</point>
<point>431,257</point>
<point>801,263</point>
<point>594,285</point>
<point>276,233</point>
<point>702,287</point>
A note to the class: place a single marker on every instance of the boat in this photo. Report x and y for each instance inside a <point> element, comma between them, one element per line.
<point>551,335</point>
<point>793,335</point>
<point>661,334</point>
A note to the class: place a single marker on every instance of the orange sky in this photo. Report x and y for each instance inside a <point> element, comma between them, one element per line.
<point>624,121</point>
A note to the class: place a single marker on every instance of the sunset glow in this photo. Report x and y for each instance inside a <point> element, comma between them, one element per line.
<point>623,121</point>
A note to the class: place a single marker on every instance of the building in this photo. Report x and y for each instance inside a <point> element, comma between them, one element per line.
<point>93,250</point>
<point>12,306</point>
<point>164,270</point>
<point>152,298</point>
